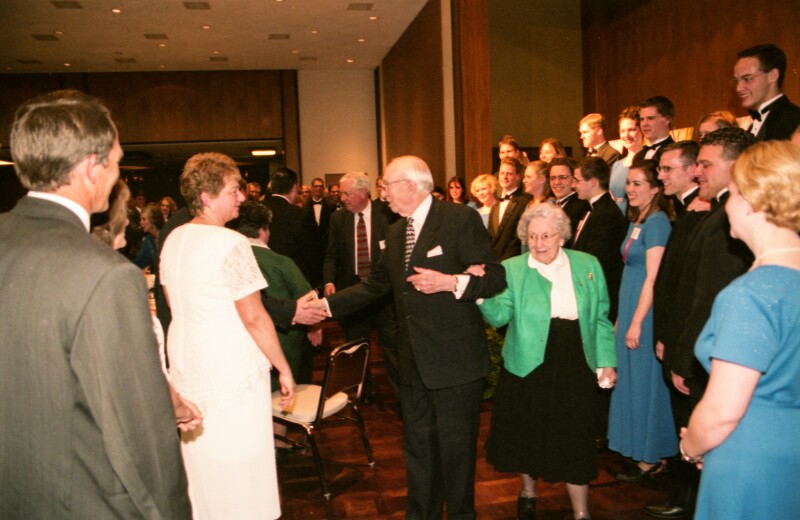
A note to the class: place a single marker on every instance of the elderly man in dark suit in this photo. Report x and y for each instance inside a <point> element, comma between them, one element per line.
<point>356,239</point>
<point>505,214</point>
<point>758,77</point>
<point>88,427</point>
<point>442,343</point>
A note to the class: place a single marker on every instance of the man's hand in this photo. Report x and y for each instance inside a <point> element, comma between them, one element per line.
<point>680,383</point>
<point>329,289</point>
<point>660,351</point>
<point>476,270</point>
<point>187,415</point>
<point>699,204</point>
<point>306,313</point>
<point>315,336</point>
<point>428,281</point>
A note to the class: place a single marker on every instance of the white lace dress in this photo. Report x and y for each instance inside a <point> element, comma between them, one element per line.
<point>230,460</point>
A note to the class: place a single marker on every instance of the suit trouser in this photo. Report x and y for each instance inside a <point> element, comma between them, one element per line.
<point>440,436</point>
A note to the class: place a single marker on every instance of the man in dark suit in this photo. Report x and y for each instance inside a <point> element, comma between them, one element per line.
<point>758,77</point>
<point>291,232</point>
<point>356,240</point>
<point>318,214</point>
<point>562,182</point>
<point>504,215</point>
<point>592,129</point>
<point>442,343</point>
<point>656,115</point>
<point>88,426</point>
<point>602,230</point>
<point>710,260</point>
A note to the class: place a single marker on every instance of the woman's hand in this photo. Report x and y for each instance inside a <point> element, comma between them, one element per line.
<point>607,377</point>
<point>187,415</point>
<point>633,335</point>
<point>287,387</point>
<point>315,336</point>
<point>683,433</point>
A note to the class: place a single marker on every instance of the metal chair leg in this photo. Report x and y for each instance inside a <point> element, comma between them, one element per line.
<point>363,432</point>
<point>318,462</point>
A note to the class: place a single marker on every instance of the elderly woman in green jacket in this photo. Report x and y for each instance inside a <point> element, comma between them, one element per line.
<point>559,345</point>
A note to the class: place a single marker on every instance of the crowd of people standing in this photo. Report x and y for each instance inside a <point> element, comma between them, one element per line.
<point>646,296</point>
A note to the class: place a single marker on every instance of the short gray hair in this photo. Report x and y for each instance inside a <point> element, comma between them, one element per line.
<point>360,180</point>
<point>549,211</point>
<point>416,171</point>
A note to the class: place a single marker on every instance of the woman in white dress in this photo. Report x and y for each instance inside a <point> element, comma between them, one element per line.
<point>222,344</point>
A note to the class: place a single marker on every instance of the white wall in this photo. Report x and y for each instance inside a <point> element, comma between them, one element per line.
<point>338,131</point>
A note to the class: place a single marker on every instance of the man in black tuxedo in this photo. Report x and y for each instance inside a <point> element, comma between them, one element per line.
<point>562,182</point>
<point>350,258</point>
<point>758,77</point>
<point>504,215</point>
<point>291,232</point>
<point>88,428</point>
<point>318,214</point>
<point>602,230</point>
<point>592,129</point>
<point>709,261</point>
<point>656,115</point>
<point>442,343</point>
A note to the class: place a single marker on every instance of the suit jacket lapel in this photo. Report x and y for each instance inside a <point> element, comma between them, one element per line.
<point>427,236</point>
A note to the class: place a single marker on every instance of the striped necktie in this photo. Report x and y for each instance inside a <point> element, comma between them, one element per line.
<point>362,249</point>
<point>410,239</point>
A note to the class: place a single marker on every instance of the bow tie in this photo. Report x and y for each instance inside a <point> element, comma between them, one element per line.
<point>592,151</point>
<point>316,201</point>
<point>506,197</point>
<point>756,115</point>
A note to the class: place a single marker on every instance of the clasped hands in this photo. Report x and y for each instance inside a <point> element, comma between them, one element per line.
<point>428,281</point>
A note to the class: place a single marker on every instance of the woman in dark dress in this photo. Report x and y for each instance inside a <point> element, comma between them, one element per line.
<point>559,345</point>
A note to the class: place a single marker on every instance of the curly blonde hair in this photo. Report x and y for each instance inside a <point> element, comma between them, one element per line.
<point>206,172</point>
<point>768,177</point>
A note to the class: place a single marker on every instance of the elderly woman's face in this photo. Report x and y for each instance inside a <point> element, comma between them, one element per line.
<point>226,205</point>
<point>543,239</point>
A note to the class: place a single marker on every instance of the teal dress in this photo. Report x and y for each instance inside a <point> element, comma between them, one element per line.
<point>285,281</point>
<point>640,422</point>
<point>755,322</point>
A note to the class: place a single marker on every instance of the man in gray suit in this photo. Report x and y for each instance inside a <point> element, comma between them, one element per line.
<point>88,430</point>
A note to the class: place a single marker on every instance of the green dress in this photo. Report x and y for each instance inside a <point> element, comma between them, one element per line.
<point>286,281</point>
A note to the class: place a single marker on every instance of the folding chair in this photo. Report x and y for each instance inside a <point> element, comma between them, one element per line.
<point>341,388</point>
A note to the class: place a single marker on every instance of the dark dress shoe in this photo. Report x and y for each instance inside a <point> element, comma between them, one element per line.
<point>526,508</point>
<point>635,473</point>
<point>666,510</point>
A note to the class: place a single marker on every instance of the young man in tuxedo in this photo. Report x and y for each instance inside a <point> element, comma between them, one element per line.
<point>88,429</point>
<point>758,77</point>
<point>562,182</point>
<point>442,343</point>
<point>709,261</point>
<point>505,214</point>
<point>656,115</point>
<point>592,129</point>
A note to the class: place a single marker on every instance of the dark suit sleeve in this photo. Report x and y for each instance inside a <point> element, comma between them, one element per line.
<point>330,267</point>
<point>474,247</point>
<point>117,364</point>
<point>280,310</point>
<point>360,295</point>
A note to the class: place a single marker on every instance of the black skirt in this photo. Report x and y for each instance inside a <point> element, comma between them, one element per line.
<point>543,424</point>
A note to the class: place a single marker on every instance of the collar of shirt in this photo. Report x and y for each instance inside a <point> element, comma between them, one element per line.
<point>548,270</point>
<point>282,196</point>
<point>766,104</point>
<point>595,199</point>
<point>656,144</point>
<point>563,199</point>
<point>70,204</point>
<point>722,192</point>
<point>687,193</point>
<point>421,213</point>
<point>509,193</point>
<point>367,213</point>
<point>257,242</point>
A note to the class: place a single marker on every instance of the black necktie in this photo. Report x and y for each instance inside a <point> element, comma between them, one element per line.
<point>316,201</point>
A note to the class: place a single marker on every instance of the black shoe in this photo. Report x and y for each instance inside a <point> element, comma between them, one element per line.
<point>666,510</point>
<point>526,508</point>
<point>635,473</point>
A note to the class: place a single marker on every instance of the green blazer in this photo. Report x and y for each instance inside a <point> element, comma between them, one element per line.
<point>285,280</point>
<point>525,307</point>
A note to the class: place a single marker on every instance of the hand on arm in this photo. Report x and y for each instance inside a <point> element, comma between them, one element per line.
<point>428,281</point>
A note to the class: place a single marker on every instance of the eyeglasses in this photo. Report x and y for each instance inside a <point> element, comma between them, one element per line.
<point>562,178</point>
<point>544,237</point>
<point>667,169</point>
<point>746,79</point>
<point>386,184</point>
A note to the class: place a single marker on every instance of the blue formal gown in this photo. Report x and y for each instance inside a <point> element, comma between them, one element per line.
<point>755,472</point>
<point>640,422</point>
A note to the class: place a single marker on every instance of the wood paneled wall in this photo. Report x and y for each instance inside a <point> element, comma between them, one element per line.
<point>682,49</point>
<point>472,88</point>
<point>151,107</point>
<point>413,107</point>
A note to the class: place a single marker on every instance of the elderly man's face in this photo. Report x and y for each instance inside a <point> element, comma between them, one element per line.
<point>353,199</point>
<point>543,239</point>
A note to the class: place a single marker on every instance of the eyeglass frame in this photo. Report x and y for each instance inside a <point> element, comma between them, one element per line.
<point>746,79</point>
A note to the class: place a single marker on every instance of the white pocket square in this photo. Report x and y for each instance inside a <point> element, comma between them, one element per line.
<point>436,251</point>
<point>382,244</point>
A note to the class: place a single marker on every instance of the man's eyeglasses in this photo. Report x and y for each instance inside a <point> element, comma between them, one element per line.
<point>386,184</point>
<point>667,169</point>
<point>746,79</point>
<point>562,178</point>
